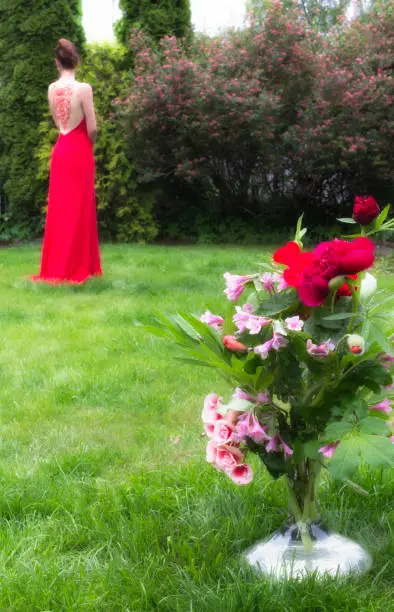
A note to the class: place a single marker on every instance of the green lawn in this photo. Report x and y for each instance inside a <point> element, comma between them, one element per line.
<point>106,500</point>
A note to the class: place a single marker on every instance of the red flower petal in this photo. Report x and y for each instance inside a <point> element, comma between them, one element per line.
<point>288,254</point>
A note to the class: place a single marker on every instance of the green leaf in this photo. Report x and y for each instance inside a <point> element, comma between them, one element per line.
<point>382,217</point>
<point>238,405</point>
<point>300,231</point>
<point>157,331</point>
<point>338,316</point>
<point>375,451</point>
<point>335,431</point>
<point>373,425</point>
<point>311,449</point>
<point>277,303</point>
<point>198,362</point>
<point>229,325</point>
<point>380,338</point>
<point>347,220</point>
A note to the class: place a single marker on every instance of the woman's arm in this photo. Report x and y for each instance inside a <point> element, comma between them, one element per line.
<point>88,109</point>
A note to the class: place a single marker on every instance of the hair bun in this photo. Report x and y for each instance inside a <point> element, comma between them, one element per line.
<point>66,53</point>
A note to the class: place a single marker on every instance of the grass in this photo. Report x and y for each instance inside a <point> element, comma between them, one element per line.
<point>106,502</point>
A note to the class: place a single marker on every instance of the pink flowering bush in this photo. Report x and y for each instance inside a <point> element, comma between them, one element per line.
<point>275,118</point>
<point>310,356</point>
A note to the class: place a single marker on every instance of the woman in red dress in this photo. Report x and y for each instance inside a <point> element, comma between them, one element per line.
<point>70,251</point>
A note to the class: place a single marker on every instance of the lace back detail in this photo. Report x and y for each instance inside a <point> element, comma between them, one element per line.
<point>61,104</point>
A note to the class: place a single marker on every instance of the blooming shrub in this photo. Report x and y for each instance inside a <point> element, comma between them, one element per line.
<point>267,121</point>
<point>306,346</point>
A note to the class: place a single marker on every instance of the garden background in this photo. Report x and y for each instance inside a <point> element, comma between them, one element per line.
<point>106,502</point>
<point>209,139</point>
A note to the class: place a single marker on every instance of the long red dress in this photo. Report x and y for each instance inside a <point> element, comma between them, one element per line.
<point>70,252</point>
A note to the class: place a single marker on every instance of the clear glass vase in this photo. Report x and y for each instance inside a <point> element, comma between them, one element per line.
<point>303,545</point>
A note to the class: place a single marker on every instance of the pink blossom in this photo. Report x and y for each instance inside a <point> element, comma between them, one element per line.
<point>386,360</point>
<point>273,444</point>
<point>245,321</point>
<point>211,404</point>
<point>322,350</point>
<point>248,426</point>
<point>294,323</point>
<point>212,320</point>
<point>241,474</point>
<point>392,439</point>
<point>263,349</point>
<point>329,449</point>
<point>261,398</point>
<point>287,450</point>
<point>268,282</point>
<point>383,406</point>
<point>258,433</point>
<point>239,394</point>
<point>277,341</point>
<point>235,285</point>
<point>227,457</point>
<point>281,282</point>
<point>223,432</point>
<point>211,452</point>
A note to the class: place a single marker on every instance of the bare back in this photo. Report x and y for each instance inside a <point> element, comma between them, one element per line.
<point>70,102</point>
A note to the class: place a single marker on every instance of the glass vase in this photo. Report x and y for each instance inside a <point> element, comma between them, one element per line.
<point>303,545</point>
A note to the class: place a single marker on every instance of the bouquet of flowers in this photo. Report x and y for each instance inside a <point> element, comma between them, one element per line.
<point>308,348</point>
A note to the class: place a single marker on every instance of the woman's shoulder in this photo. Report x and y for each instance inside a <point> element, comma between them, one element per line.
<point>82,86</point>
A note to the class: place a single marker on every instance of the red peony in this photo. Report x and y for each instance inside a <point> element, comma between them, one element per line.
<point>365,209</point>
<point>291,255</point>
<point>332,259</point>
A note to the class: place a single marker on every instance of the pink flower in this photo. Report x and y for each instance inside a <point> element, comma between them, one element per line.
<point>322,350</point>
<point>223,432</point>
<point>277,341</point>
<point>212,320</point>
<point>263,349</point>
<point>245,321</point>
<point>329,449</point>
<point>235,285</point>
<point>227,457</point>
<point>273,444</point>
<point>392,439</point>
<point>287,451</point>
<point>263,398</point>
<point>249,426</point>
<point>239,394</point>
<point>386,360</point>
<point>211,452</point>
<point>241,474</point>
<point>383,406</point>
<point>294,323</point>
<point>211,404</point>
<point>268,282</point>
<point>258,433</point>
<point>281,282</point>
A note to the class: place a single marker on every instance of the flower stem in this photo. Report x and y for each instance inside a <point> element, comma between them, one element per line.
<point>302,526</point>
<point>355,299</point>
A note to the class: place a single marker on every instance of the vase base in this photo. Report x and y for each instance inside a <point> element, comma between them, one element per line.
<point>282,558</point>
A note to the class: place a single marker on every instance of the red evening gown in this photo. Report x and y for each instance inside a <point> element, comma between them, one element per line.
<point>70,252</point>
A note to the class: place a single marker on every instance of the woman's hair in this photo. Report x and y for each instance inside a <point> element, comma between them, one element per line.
<point>66,54</point>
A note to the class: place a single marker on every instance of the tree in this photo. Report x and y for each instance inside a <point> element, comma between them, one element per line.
<point>320,14</point>
<point>28,36</point>
<point>158,19</point>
